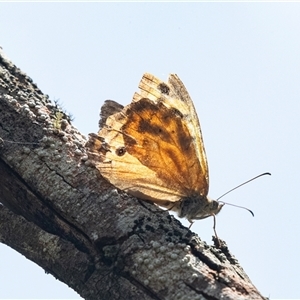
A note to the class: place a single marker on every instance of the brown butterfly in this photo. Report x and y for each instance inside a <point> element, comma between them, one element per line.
<point>153,149</point>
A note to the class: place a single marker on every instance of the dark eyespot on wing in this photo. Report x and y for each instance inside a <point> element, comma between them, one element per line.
<point>121,151</point>
<point>163,88</point>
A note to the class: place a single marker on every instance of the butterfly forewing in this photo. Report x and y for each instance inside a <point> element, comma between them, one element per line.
<point>193,124</point>
<point>174,95</point>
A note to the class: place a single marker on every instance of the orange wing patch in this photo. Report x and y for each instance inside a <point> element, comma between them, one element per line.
<point>153,148</point>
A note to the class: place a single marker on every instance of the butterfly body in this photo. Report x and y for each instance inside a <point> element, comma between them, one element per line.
<point>198,207</point>
<point>153,148</point>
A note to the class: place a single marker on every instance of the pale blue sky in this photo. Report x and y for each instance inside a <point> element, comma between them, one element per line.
<point>241,65</point>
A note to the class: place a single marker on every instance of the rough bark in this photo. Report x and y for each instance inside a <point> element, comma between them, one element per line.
<point>60,213</point>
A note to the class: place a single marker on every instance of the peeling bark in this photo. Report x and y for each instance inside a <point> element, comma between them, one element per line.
<point>104,244</point>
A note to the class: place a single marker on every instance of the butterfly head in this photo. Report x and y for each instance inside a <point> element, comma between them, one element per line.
<point>213,207</point>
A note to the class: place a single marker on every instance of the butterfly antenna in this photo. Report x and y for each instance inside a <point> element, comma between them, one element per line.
<point>250,211</point>
<point>267,173</point>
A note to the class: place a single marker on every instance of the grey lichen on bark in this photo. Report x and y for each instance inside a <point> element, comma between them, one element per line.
<point>58,212</point>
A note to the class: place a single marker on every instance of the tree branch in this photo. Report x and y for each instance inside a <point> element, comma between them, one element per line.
<point>62,215</point>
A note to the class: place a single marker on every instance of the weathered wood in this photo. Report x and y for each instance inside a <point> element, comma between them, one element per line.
<point>59,212</point>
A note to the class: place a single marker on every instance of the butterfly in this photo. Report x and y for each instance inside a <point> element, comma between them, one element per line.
<point>153,149</point>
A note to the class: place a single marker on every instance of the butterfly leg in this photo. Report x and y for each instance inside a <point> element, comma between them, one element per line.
<point>214,228</point>
<point>191,223</point>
